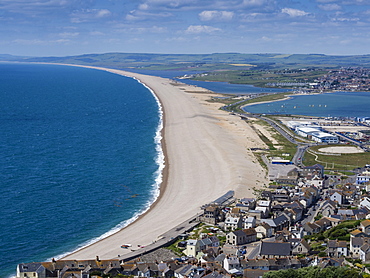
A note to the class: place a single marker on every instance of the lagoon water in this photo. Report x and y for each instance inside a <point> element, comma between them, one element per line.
<point>79,158</point>
<point>217,87</point>
<point>338,104</point>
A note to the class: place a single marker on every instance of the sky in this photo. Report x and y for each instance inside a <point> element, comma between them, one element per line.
<point>74,27</point>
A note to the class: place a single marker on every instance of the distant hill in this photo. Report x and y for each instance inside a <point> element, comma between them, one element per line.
<point>203,62</point>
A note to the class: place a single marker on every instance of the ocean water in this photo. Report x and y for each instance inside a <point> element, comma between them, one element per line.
<point>338,104</point>
<point>80,157</point>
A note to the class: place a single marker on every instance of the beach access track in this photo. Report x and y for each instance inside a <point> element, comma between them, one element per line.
<point>164,240</point>
<point>172,235</point>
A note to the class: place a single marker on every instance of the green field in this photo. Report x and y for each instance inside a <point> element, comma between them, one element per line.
<point>342,162</point>
<point>261,78</point>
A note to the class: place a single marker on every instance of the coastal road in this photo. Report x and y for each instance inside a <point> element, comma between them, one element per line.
<point>164,240</point>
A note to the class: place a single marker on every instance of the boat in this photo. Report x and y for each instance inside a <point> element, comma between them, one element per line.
<point>126,246</point>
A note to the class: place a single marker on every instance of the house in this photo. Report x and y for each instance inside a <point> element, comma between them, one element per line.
<point>249,222</point>
<point>249,202</point>
<point>365,253</point>
<point>253,273</point>
<point>306,199</point>
<point>251,235</point>
<point>212,214</point>
<point>337,248</point>
<point>148,270</point>
<point>265,211</point>
<point>355,245</point>
<point>364,177</point>
<point>258,214</point>
<point>278,223</point>
<point>300,247</point>
<point>240,237</point>
<point>236,238</point>
<point>324,223</point>
<point>230,263</point>
<point>365,226</point>
<point>263,230</point>
<point>290,178</point>
<point>275,249</point>
<point>264,203</point>
<point>36,270</point>
<point>311,171</point>
<point>233,223</point>
<point>194,246</point>
<point>215,274</point>
<point>316,182</point>
<point>357,233</point>
<point>261,264</point>
<point>328,208</point>
<point>311,228</point>
<point>312,190</point>
<point>365,202</point>
<point>296,214</point>
<point>283,235</point>
<point>69,268</point>
<point>189,270</point>
<point>326,262</point>
<point>337,197</point>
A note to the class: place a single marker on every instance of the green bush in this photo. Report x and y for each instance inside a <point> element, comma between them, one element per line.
<point>322,254</point>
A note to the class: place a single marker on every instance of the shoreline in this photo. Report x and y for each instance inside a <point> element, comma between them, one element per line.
<point>206,155</point>
<point>163,174</point>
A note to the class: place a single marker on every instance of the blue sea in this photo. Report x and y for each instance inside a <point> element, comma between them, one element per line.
<point>80,158</point>
<point>338,104</point>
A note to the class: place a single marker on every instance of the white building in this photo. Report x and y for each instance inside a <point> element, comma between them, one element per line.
<point>293,124</point>
<point>317,135</point>
<point>324,137</point>
<point>363,177</point>
<point>306,131</point>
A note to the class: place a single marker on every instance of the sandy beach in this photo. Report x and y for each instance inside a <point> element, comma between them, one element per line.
<point>207,153</point>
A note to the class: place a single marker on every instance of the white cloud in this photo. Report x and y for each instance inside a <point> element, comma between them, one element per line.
<point>103,13</point>
<point>89,15</point>
<point>144,6</point>
<point>325,1</point>
<point>153,29</point>
<point>197,29</point>
<point>39,42</point>
<point>96,33</point>
<point>293,12</point>
<point>330,7</point>
<point>216,15</point>
<point>253,2</point>
<point>346,19</point>
<point>141,15</point>
<point>68,34</point>
<point>169,4</point>
<point>43,6</point>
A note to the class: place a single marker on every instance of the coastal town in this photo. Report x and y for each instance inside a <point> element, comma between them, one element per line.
<point>308,216</point>
<point>305,219</point>
<point>342,79</point>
